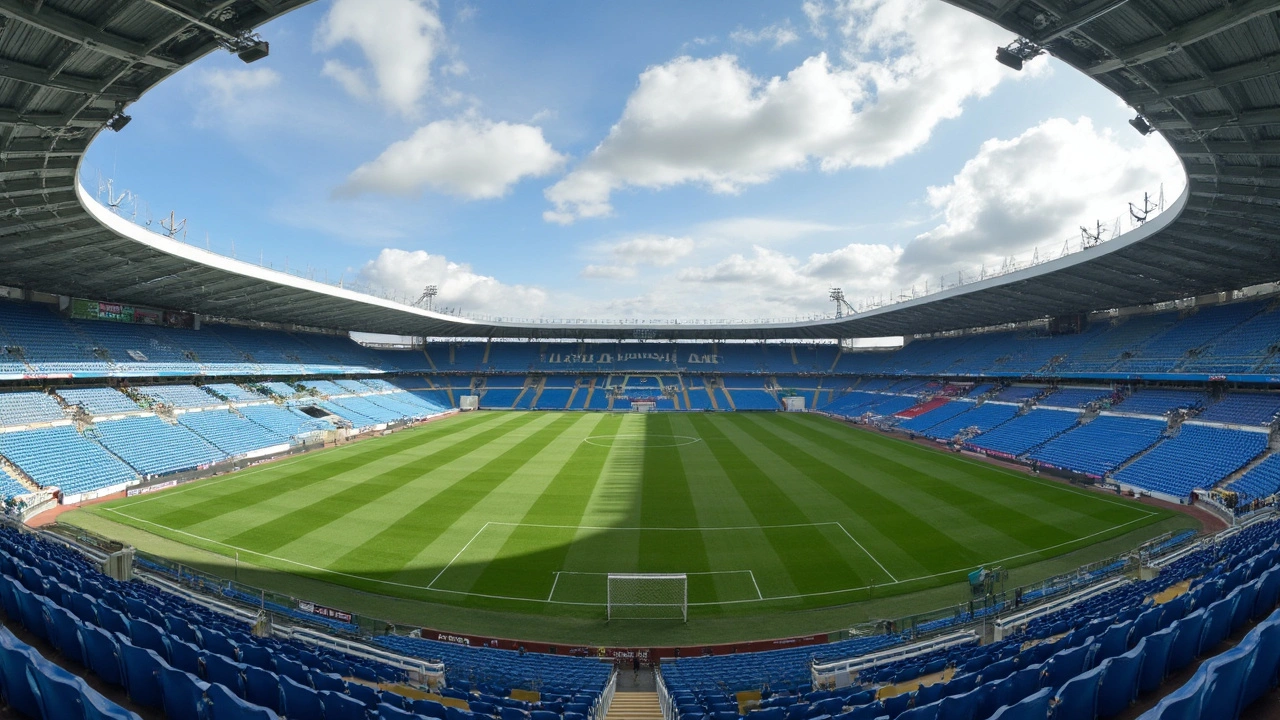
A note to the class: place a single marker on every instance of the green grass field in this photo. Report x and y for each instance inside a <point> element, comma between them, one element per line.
<point>526,512</point>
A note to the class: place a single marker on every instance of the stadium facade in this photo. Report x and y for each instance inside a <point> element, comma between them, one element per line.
<point>1142,361</point>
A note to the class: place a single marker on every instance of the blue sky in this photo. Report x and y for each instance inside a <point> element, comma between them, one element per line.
<point>657,160</point>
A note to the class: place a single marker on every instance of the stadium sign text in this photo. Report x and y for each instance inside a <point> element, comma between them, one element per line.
<point>622,357</point>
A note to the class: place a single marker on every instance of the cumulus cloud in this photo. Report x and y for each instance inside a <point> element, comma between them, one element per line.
<point>777,35</point>
<point>399,40</point>
<point>405,273</point>
<point>227,87</point>
<point>643,250</point>
<point>1035,189</point>
<point>468,157</point>
<point>906,65</point>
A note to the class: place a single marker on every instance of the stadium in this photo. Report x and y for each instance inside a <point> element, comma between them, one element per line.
<point>233,491</point>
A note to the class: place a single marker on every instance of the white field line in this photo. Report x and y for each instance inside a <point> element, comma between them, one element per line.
<point>553,587</point>
<point>457,555</point>
<point>868,552</point>
<point>759,595</point>
<point>600,604</point>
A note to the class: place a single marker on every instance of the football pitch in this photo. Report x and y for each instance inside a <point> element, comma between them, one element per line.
<point>528,512</point>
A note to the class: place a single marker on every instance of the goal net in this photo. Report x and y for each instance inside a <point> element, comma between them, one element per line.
<point>648,596</point>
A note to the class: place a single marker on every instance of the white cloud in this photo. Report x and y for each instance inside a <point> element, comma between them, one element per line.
<point>1036,189</point>
<point>469,157</point>
<point>230,87</point>
<point>760,230</point>
<point>777,34</point>
<point>399,39</point>
<point>405,273</point>
<point>640,251</point>
<point>906,65</point>
<point>348,77</point>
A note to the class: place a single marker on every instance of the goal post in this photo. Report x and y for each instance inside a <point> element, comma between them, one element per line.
<point>648,596</point>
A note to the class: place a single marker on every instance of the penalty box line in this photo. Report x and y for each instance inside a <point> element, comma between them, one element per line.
<point>752,575</point>
<point>840,525</point>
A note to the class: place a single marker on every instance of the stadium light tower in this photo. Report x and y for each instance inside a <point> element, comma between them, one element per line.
<point>428,296</point>
<point>837,296</point>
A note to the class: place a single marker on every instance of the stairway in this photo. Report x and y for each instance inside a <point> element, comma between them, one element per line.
<point>634,706</point>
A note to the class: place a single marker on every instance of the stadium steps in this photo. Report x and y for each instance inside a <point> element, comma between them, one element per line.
<point>634,706</point>
<point>1163,439</point>
<point>17,474</point>
<point>684,390</point>
<point>1247,467</point>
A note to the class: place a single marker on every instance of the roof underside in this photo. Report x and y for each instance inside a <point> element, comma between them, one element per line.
<point>1205,72</point>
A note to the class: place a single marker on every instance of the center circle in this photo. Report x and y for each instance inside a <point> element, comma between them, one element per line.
<point>647,440</point>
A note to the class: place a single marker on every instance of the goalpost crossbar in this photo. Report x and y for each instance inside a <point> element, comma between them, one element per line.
<point>647,596</point>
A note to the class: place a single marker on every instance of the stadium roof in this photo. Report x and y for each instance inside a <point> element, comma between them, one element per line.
<point>1204,73</point>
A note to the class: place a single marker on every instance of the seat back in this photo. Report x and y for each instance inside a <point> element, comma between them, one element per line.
<point>228,673</point>
<point>1262,671</point>
<point>1119,685</point>
<point>141,668</point>
<point>183,694</point>
<point>1186,640</point>
<point>1033,707</point>
<point>1155,659</point>
<point>298,700</point>
<point>262,687</point>
<point>102,654</point>
<point>1078,697</point>
<point>57,692</point>
<point>341,707</point>
<point>221,704</point>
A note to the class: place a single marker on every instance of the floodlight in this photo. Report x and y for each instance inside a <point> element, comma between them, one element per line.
<point>254,51</point>
<point>118,121</point>
<point>1141,124</point>
<point>1008,58</point>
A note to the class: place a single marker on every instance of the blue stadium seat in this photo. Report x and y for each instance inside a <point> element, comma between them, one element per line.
<point>182,693</point>
<point>221,704</point>
<point>1118,687</point>
<point>299,700</point>
<point>140,669</point>
<point>262,687</point>
<point>338,706</point>
<point>1033,707</point>
<point>102,654</point>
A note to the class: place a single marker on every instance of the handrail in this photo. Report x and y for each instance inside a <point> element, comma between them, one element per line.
<point>840,672</point>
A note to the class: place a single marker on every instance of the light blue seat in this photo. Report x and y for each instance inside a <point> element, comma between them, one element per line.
<point>1119,685</point>
<point>183,694</point>
<point>221,704</point>
<point>1155,660</point>
<point>1246,594</point>
<point>1034,707</point>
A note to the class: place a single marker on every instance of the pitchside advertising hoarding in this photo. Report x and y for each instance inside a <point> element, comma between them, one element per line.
<point>646,654</point>
<point>82,309</point>
<point>324,612</point>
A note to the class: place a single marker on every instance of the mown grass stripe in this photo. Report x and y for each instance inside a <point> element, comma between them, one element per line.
<point>929,547</point>
<point>665,501</point>
<point>770,505</point>
<point>205,503</point>
<point>273,534</point>
<point>525,560</point>
<point>402,541</point>
<point>944,482</point>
